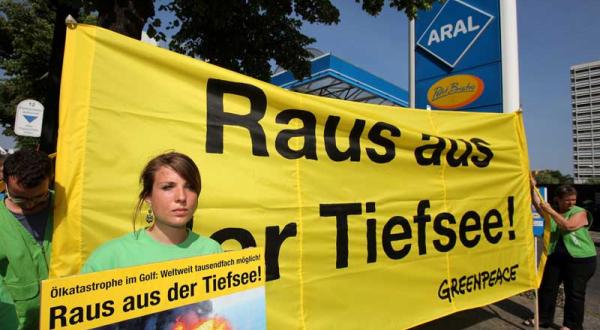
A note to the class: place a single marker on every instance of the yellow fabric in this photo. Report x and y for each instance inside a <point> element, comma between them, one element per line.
<point>123,102</point>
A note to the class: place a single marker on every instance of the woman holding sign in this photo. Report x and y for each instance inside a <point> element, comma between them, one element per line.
<point>170,186</point>
<point>571,258</point>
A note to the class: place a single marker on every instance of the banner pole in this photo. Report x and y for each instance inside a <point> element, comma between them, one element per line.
<point>411,64</point>
<point>510,56</point>
<point>536,313</point>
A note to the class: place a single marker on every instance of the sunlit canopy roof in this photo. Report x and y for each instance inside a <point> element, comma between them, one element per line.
<point>336,78</point>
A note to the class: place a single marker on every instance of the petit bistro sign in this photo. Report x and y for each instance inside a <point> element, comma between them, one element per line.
<point>455,91</point>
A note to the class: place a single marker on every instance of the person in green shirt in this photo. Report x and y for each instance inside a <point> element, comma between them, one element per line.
<point>25,237</point>
<point>571,259</point>
<point>170,187</point>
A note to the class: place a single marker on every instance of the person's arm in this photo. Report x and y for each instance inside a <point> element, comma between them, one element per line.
<point>575,222</point>
<point>535,197</point>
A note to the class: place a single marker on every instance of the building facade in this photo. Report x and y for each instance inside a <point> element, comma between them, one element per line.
<point>585,103</point>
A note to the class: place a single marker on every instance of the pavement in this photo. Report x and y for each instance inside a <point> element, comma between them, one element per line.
<point>510,313</point>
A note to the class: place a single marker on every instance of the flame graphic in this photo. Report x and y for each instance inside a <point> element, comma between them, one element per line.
<point>211,323</point>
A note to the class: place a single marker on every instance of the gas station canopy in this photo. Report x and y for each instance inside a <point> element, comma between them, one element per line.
<point>336,78</point>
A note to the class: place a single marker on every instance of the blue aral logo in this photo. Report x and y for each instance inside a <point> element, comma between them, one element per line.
<point>453,31</point>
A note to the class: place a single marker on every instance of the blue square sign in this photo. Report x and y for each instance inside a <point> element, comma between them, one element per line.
<point>453,31</point>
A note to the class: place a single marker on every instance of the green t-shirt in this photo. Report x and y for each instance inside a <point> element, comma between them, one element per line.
<point>139,248</point>
<point>578,242</point>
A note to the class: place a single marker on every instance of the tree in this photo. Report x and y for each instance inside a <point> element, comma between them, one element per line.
<point>242,35</point>
<point>410,7</point>
<point>245,35</point>
<point>552,177</point>
<point>31,47</point>
<point>127,17</point>
<point>593,180</point>
<point>26,30</point>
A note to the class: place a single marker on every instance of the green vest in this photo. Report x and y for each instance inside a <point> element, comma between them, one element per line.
<point>579,243</point>
<point>23,264</point>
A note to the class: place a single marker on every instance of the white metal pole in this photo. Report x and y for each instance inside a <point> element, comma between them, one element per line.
<point>411,63</point>
<point>510,55</point>
<point>536,311</point>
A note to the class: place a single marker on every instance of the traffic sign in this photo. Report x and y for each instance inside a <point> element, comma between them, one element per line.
<point>29,117</point>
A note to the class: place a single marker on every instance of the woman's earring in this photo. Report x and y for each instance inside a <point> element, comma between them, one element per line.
<point>149,216</point>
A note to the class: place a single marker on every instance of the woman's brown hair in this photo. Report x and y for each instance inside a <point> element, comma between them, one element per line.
<point>565,190</point>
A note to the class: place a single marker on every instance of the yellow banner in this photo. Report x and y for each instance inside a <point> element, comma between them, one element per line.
<point>354,203</point>
<point>174,293</point>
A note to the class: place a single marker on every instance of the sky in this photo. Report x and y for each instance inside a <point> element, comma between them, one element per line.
<point>553,36</point>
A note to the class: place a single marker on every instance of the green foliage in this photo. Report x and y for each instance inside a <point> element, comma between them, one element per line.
<point>552,177</point>
<point>410,7</point>
<point>26,32</point>
<point>245,35</point>
<point>127,17</point>
<point>241,35</point>
<point>26,28</point>
<point>594,180</point>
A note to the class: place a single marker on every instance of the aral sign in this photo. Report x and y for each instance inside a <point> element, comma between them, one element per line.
<point>458,59</point>
<point>453,31</point>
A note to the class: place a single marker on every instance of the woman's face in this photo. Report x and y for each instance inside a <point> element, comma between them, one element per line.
<point>172,199</point>
<point>566,202</point>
